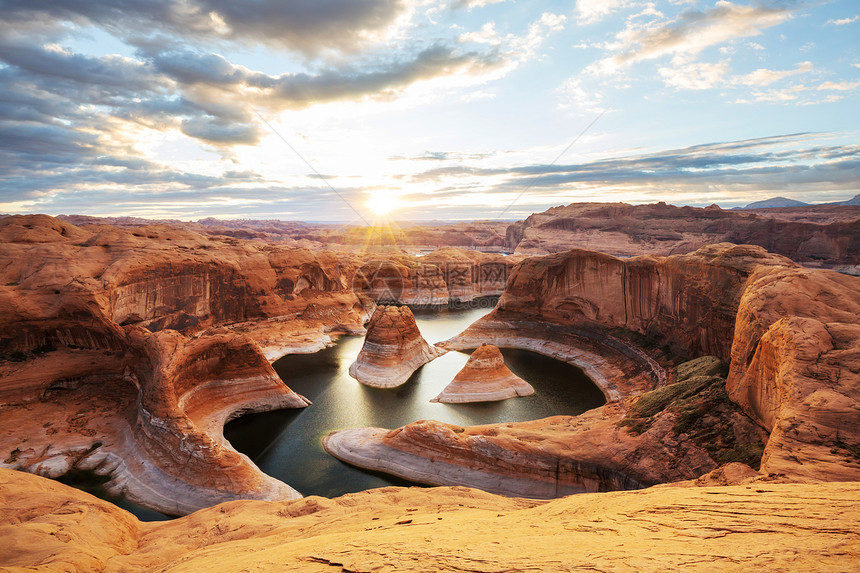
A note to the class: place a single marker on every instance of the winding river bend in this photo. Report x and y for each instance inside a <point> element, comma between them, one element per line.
<point>286,444</point>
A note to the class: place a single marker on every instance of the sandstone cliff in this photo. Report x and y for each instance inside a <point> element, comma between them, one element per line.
<point>447,275</point>
<point>393,349</point>
<point>484,378</point>
<point>791,334</point>
<point>832,240</point>
<point>124,352</point>
<point>48,526</point>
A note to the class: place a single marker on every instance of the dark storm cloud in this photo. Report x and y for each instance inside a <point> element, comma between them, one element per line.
<point>306,26</point>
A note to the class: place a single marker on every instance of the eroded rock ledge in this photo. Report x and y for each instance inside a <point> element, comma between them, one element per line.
<point>791,335</point>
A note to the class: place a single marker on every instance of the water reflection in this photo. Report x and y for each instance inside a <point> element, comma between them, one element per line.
<point>287,444</point>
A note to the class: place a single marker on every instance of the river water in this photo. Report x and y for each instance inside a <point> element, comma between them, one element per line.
<point>287,445</point>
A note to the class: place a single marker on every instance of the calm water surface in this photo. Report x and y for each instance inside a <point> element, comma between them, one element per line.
<point>287,444</point>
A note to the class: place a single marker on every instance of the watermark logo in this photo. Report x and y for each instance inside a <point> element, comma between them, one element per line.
<point>456,284</point>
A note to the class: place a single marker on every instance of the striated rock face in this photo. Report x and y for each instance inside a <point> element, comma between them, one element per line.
<point>687,302</point>
<point>781,527</point>
<point>833,240</point>
<point>445,275</point>
<point>484,378</point>
<point>791,335</point>
<point>796,370</point>
<point>124,352</point>
<point>393,349</point>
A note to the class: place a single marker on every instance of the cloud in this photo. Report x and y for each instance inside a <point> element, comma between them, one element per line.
<point>305,26</point>
<point>695,75</point>
<point>687,35</point>
<point>842,21</point>
<point>573,95</point>
<point>71,122</point>
<point>753,167</point>
<point>513,46</point>
<point>765,77</point>
<point>591,11</point>
<point>471,4</point>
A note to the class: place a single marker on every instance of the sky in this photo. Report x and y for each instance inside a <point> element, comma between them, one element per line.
<point>353,111</point>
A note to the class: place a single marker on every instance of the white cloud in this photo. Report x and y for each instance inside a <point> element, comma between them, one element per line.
<point>842,21</point>
<point>696,75</point>
<point>839,86</point>
<point>470,4</point>
<point>519,47</point>
<point>765,77</point>
<point>689,34</point>
<point>590,11</point>
<point>575,97</point>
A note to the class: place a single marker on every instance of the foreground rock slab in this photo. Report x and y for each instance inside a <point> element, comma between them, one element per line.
<point>393,349</point>
<point>484,378</point>
<point>777,527</point>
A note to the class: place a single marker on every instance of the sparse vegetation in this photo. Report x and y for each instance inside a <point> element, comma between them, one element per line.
<point>12,283</point>
<point>702,411</point>
<point>852,449</point>
<point>13,456</point>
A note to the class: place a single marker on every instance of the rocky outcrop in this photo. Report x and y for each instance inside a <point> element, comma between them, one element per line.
<point>393,349</point>
<point>447,275</point>
<point>796,370</point>
<point>781,527</point>
<point>659,229</point>
<point>484,378</point>
<point>687,302</point>
<point>791,335</point>
<point>674,433</point>
<point>123,352</point>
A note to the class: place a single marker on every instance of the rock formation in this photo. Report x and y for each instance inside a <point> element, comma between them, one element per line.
<point>831,241</point>
<point>438,278</point>
<point>393,349</point>
<point>780,527</point>
<point>791,335</point>
<point>124,352</point>
<point>484,378</point>
<point>676,432</point>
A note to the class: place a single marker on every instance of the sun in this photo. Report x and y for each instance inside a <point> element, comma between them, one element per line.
<point>382,202</point>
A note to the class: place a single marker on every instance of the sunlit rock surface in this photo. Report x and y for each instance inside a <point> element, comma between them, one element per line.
<point>778,527</point>
<point>124,351</point>
<point>484,378</point>
<point>826,235</point>
<point>393,349</point>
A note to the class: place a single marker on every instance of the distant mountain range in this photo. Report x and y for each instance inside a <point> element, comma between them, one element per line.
<point>780,202</point>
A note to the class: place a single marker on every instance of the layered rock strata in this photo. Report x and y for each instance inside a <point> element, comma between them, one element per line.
<point>123,352</point>
<point>447,275</point>
<point>393,349</point>
<point>791,335</point>
<point>484,378</point>
<point>781,527</point>
<point>826,236</point>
